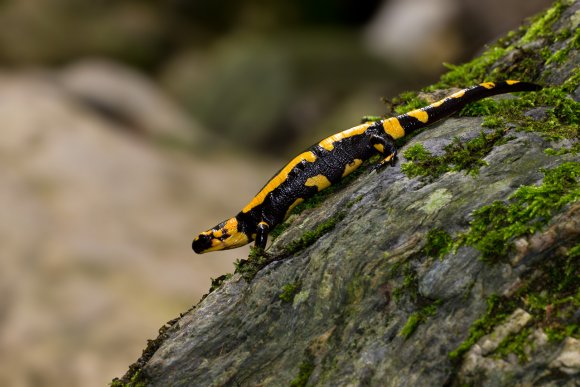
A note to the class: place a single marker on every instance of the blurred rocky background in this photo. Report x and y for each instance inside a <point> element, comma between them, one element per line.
<point>129,126</point>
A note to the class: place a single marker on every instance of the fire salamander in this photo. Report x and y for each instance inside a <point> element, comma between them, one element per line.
<point>328,161</point>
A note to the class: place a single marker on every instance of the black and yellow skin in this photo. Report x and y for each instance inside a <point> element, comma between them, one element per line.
<point>328,161</point>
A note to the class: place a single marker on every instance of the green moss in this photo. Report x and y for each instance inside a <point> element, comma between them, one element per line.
<point>457,156</point>
<point>412,323</point>
<point>561,55</point>
<point>551,296</point>
<point>554,297</point>
<point>416,318</point>
<point>561,117</point>
<point>483,107</point>
<point>289,291</point>
<point>495,226</point>
<point>438,244</point>
<point>574,149</point>
<point>573,82</point>
<point>136,381</point>
<point>498,309</point>
<point>493,122</point>
<point>217,282</point>
<point>557,334</point>
<point>248,268</point>
<point>305,370</point>
<point>541,26</point>
<point>472,72</point>
<point>514,343</point>
<point>408,101</point>
<point>420,161</point>
<point>309,237</point>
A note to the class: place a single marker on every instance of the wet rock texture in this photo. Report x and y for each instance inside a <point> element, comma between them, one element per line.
<point>357,287</point>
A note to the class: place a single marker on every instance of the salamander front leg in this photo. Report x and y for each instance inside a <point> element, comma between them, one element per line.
<point>385,146</point>
<point>262,235</point>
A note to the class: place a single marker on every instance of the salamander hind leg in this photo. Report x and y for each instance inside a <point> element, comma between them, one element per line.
<point>262,235</point>
<point>386,147</point>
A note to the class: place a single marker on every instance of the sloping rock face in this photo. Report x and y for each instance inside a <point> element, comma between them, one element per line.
<point>400,291</point>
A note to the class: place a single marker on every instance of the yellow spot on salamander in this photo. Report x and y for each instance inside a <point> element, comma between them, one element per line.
<point>296,202</point>
<point>319,181</point>
<point>278,179</point>
<point>393,127</point>
<point>511,82</point>
<point>487,85</point>
<point>388,158</point>
<point>328,143</point>
<point>438,103</point>
<point>353,165</point>
<point>379,147</point>
<point>457,94</point>
<point>419,114</point>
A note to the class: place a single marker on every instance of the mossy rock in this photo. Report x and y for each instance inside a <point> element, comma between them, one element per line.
<point>396,278</point>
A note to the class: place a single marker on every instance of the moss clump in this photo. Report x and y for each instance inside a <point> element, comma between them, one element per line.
<point>472,72</point>
<point>561,117</point>
<point>562,54</point>
<point>408,101</point>
<point>554,297</point>
<point>305,370</point>
<point>498,309</point>
<point>574,149</point>
<point>420,158</point>
<point>309,237</point>
<point>416,318</point>
<point>289,291</point>
<point>483,107</point>
<point>514,343</point>
<point>136,381</point>
<point>551,296</point>
<point>438,244</point>
<point>248,268</point>
<point>217,282</point>
<point>541,26</point>
<point>495,226</point>
<point>458,156</point>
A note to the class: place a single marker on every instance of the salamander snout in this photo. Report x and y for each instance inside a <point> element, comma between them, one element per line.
<point>225,235</point>
<point>202,243</point>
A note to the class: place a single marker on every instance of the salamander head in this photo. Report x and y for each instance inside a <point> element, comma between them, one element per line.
<point>222,237</point>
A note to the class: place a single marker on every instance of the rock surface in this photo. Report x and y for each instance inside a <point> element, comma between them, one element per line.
<point>366,304</point>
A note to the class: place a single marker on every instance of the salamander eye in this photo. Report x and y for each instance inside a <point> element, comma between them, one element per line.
<point>201,243</point>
